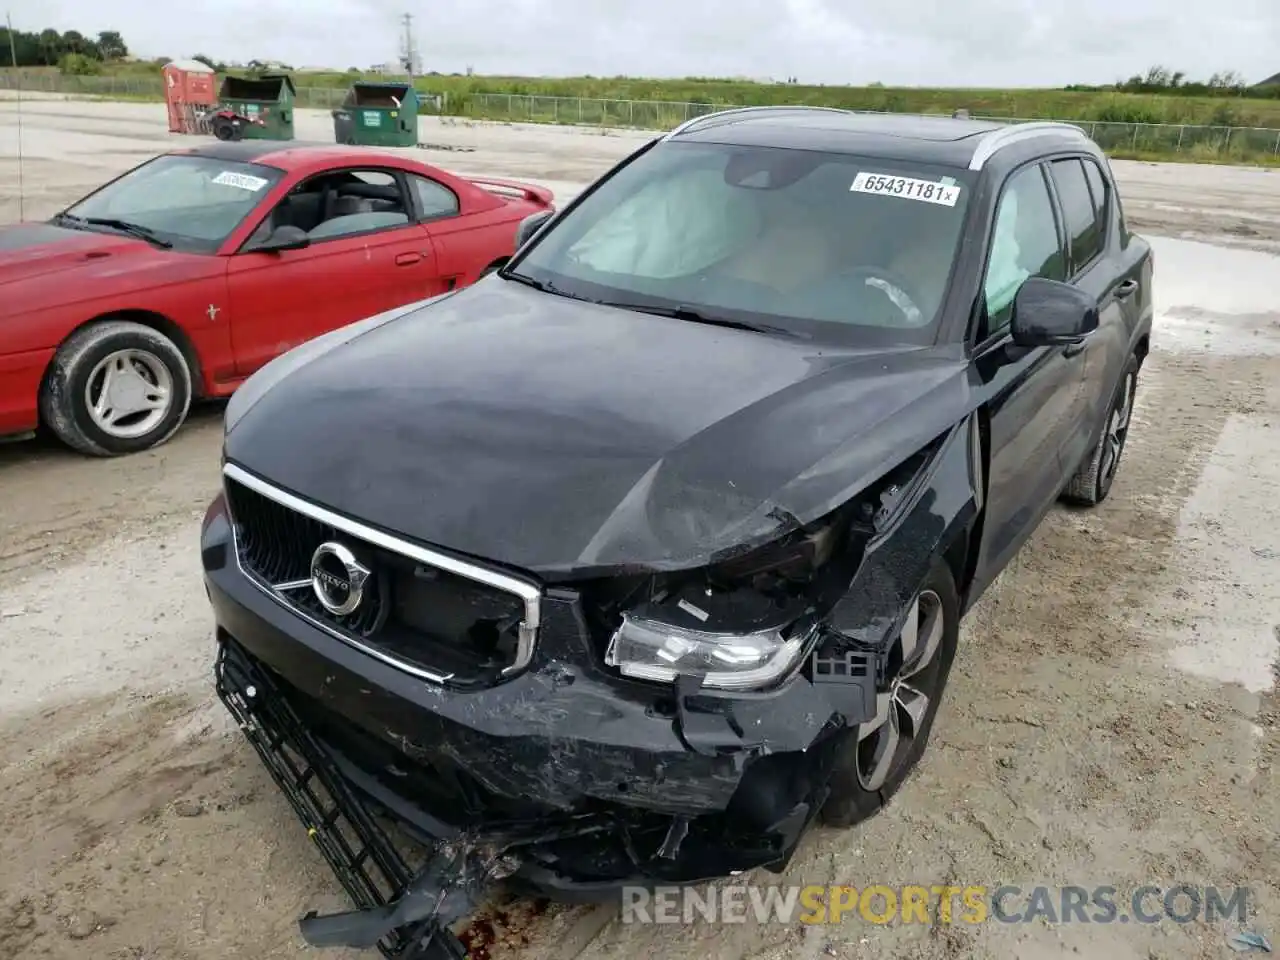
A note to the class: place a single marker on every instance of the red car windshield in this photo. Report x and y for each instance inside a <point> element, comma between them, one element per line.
<point>193,203</point>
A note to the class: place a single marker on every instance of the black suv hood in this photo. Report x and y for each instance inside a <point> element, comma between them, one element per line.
<point>566,438</point>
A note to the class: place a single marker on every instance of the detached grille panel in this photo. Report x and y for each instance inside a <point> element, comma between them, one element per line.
<point>448,625</point>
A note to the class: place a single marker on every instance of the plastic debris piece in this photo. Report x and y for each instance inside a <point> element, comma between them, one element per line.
<point>1248,941</point>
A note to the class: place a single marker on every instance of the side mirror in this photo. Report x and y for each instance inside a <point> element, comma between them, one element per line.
<point>1047,313</point>
<point>531,225</point>
<point>283,238</point>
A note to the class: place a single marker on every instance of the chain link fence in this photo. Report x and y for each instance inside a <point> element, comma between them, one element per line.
<point>1138,138</point>
<point>1197,142</point>
<point>149,88</point>
<point>642,114</point>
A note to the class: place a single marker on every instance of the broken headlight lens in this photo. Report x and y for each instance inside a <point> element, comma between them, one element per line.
<point>648,649</point>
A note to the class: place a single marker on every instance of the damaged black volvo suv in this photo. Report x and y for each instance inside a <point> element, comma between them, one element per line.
<point>629,562</point>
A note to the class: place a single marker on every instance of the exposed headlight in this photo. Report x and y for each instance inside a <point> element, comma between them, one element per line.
<point>740,625</point>
<point>647,649</point>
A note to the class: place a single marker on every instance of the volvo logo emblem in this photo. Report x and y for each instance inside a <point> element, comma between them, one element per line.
<point>338,578</point>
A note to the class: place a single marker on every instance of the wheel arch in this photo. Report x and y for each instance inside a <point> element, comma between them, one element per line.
<point>941,520</point>
<point>1142,348</point>
<point>157,322</point>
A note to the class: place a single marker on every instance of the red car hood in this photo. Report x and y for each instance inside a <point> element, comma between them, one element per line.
<point>43,266</point>
<point>31,250</point>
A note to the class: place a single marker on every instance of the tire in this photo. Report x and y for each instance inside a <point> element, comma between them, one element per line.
<point>147,367</point>
<point>854,796</point>
<point>224,129</point>
<point>1092,481</point>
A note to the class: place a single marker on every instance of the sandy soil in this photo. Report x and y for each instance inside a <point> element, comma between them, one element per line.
<point>1113,717</point>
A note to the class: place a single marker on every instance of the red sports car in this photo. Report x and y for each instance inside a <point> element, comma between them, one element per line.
<point>182,277</point>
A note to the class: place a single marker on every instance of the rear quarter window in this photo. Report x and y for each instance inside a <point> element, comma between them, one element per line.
<point>1083,221</point>
<point>1101,195</point>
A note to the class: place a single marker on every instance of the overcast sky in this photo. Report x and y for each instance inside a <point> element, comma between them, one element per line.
<point>896,42</point>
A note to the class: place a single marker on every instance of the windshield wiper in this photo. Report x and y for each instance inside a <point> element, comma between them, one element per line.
<point>133,229</point>
<point>676,313</point>
<point>543,286</point>
<point>124,226</point>
<point>697,316</point>
<point>527,281</point>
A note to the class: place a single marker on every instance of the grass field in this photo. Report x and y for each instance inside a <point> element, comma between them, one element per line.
<point>1037,104</point>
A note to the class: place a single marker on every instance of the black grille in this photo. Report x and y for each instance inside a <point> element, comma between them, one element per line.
<point>422,616</point>
<point>369,863</point>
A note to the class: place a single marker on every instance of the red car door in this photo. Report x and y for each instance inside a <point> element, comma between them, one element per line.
<point>363,254</point>
<point>465,244</point>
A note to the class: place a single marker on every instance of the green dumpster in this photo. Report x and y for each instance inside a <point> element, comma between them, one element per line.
<point>378,115</point>
<point>265,102</point>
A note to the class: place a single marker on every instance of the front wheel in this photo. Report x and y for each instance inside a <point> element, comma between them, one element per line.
<point>116,387</point>
<point>879,756</point>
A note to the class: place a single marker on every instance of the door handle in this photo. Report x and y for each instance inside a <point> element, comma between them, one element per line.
<point>405,259</point>
<point>1126,289</point>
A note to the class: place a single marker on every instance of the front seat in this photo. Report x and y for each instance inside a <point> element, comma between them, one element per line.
<point>346,206</point>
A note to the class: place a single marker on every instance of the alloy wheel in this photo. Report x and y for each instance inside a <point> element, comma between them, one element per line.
<point>1117,431</point>
<point>902,708</point>
<point>128,393</point>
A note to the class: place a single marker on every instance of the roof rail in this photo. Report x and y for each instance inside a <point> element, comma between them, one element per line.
<point>693,122</point>
<point>1015,133</point>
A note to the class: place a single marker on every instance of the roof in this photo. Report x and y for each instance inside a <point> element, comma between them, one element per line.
<point>948,141</point>
<point>190,66</point>
<point>286,155</point>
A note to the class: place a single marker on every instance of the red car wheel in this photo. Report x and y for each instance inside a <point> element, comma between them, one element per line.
<point>116,387</point>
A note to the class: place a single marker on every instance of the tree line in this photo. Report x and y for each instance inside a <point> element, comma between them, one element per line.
<point>48,48</point>
<point>1162,80</point>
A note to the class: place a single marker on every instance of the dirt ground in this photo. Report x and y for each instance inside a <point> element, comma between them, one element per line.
<point>1112,720</point>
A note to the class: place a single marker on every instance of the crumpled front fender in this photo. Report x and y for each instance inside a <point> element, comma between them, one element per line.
<point>937,521</point>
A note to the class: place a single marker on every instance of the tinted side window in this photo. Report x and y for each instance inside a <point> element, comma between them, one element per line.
<point>1078,211</point>
<point>1098,187</point>
<point>434,199</point>
<point>1025,244</point>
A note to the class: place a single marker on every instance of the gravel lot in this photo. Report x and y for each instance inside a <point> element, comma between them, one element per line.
<point>1112,719</point>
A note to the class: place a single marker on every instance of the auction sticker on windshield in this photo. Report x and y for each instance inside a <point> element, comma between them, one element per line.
<point>928,191</point>
<point>242,180</point>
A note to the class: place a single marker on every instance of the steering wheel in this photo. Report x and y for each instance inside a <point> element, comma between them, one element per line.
<point>902,292</point>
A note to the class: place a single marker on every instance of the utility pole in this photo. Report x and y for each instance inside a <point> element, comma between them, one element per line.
<point>410,52</point>
<point>13,56</point>
<point>13,47</point>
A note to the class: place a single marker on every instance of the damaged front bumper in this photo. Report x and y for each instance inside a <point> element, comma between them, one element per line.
<point>565,780</point>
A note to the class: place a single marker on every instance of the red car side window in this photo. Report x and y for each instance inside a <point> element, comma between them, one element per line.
<point>434,199</point>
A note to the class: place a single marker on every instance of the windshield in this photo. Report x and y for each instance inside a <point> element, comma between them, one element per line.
<point>193,203</point>
<point>819,244</point>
